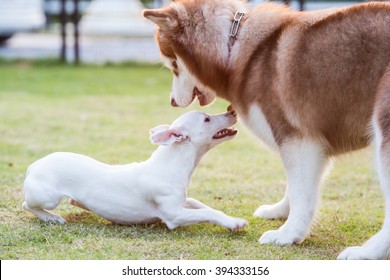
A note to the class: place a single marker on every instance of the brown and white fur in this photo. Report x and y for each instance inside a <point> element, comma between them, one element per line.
<point>312,85</point>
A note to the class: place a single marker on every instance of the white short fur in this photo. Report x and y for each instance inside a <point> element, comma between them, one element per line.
<point>136,192</point>
<point>258,124</point>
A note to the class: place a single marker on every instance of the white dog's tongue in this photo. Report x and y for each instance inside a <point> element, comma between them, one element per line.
<point>225,132</point>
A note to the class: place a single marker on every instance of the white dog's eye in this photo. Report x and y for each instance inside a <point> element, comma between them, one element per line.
<point>174,64</point>
<point>207,119</point>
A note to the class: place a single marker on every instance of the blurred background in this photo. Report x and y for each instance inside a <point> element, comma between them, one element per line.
<point>91,31</point>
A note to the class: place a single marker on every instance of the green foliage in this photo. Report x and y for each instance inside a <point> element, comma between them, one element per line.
<point>106,113</point>
<point>145,2</point>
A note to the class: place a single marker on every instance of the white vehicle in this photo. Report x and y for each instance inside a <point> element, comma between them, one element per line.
<point>20,16</point>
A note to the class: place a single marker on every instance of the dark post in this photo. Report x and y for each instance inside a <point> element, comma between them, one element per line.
<point>301,5</point>
<point>76,19</point>
<point>63,31</point>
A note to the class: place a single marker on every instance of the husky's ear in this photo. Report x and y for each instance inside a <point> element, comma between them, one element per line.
<point>164,17</point>
<point>164,135</point>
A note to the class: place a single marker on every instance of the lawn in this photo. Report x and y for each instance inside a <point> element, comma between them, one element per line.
<point>106,112</point>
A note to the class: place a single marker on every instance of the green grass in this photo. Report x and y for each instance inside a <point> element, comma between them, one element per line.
<point>106,113</point>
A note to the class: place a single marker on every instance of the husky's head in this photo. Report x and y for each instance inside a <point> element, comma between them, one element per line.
<point>193,37</point>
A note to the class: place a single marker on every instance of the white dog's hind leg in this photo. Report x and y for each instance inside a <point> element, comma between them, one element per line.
<point>44,215</point>
<point>305,163</point>
<point>378,246</point>
<point>279,210</point>
<point>40,196</point>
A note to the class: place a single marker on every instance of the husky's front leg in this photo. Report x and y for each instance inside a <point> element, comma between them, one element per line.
<point>305,162</point>
<point>279,210</point>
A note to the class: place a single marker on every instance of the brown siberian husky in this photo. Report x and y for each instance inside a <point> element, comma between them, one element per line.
<point>312,85</point>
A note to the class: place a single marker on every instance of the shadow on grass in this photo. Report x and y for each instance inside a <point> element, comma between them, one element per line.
<point>93,222</point>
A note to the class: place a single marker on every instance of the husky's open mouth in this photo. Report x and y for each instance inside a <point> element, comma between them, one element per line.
<point>201,96</point>
<point>225,132</point>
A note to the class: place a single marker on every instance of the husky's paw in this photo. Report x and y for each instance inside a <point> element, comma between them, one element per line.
<point>376,248</point>
<point>280,237</point>
<point>270,212</point>
<point>359,253</point>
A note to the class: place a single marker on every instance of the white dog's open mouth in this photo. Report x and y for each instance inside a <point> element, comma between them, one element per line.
<point>225,132</point>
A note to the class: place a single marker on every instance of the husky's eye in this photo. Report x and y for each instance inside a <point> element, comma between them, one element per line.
<point>175,69</point>
<point>207,119</point>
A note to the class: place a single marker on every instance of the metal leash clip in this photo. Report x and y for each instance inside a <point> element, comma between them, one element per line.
<point>236,24</point>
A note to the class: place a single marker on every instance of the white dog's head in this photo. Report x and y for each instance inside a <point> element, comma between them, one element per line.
<point>202,130</point>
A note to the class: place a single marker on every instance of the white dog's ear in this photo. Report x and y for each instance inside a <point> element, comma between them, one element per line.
<point>164,135</point>
<point>159,128</point>
<point>164,17</point>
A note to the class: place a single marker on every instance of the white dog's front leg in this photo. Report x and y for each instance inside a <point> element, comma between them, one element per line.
<point>186,217</point>
<point>192,203</point>
<point>175,217</point>
<point>305,163</point>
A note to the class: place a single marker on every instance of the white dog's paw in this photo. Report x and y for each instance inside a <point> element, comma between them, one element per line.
<point>270,212</point>
<point>237,224</point>
<point>359,253</point>
<point>280,237</point>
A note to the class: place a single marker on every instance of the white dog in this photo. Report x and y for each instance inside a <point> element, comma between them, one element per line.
<point>138,192</point>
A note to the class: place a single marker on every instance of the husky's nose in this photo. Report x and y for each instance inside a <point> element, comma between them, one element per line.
<point>232,113</point>
<point>173,102</point>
